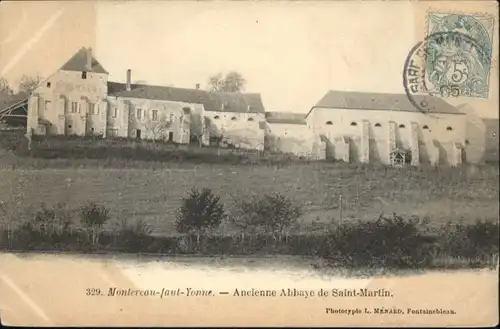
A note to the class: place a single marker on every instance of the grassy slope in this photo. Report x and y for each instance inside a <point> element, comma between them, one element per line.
<point>155,194</point>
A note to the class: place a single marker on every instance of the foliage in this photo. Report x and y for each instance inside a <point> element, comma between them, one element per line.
<point>158,127</point>
<point>231,82</point>
<point>93,217</point>
<point>387,242</point>
<point>5,88</point>
<point>29,83</point>
<point>199,212</point>
<point>273,213</point>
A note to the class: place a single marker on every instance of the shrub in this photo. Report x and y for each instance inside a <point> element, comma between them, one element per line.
<point>273,213</point>
<point>475,241</point>
<point>199,212</point>
<point>387,242</point>
<point>132,237</point>
<point>93,217</point>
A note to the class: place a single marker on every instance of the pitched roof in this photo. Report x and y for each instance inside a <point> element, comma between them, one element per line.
<point>380,101</point>
<point>212,101</point>
<point>286,118</point>
<point>79,60</point>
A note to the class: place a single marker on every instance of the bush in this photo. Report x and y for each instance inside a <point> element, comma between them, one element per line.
<point>387,242</point>
<point>93,217</point>
<point>199,212</point>
<point>272,213</point>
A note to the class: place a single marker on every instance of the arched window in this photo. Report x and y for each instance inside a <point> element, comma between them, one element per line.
<point>329,123</point>
<point>425,127</point>
<point>233,118</point>
<point>216,117</point>
<point>354,123</point>
<point>449,128</point>
<point>378,125</point>
<point>250,119</point>
<point>401,126</point>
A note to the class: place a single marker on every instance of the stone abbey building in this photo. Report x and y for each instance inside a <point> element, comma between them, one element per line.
<point>361,127</point>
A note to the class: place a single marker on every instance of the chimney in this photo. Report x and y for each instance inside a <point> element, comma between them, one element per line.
<point>197,86</point>
<point>88,65</point>
<point>129,77</point>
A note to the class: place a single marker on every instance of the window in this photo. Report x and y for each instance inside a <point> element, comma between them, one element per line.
<point>216,117</point>
<point>48,84</point>
<point>115,112</point>
<point>250,119</point>
<point>401,126</point>
<point>354,123</point>
<point>84,75</point>
<point>92,108</point>
<point>74,107</point>
<point>92,129</point>
<point>378,125</point>
<point>139,114</point>
<point>467,141</point>
<point>171,117</point>
<point>449,128</point>
<point>69,126</point>
<point>47,105</point>
<point>154,115</point>
<point>329,123</point>
<point>233,118</point>
<point>425,127</point>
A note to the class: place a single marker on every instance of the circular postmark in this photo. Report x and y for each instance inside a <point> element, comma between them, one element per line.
<point>446,64</point>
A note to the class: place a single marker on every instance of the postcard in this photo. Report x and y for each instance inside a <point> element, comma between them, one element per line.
<point>249,163</point>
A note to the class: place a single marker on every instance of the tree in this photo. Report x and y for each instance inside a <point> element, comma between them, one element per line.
<point>199,212</point>
<point>231,82</point>
<point>5,89</point>
<point>29,83</point>
<point>93,217</point>
<point>273,213</point>
<point>158,127</point>
<point>200,128</point>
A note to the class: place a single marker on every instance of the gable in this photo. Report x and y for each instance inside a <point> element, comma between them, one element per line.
<point>79,61</point>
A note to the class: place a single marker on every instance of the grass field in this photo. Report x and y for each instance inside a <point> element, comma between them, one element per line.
<point>154,192</point>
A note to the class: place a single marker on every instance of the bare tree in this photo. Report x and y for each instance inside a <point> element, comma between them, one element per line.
<point>29,83</point>
<point>231,82</point>
<point>5,88</point>
<point>158,126</point>
<point>200,127</point>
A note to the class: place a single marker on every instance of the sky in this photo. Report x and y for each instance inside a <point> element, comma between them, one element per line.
<point>291,53</point>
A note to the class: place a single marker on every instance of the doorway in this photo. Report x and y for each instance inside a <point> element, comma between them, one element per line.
<point>138,134</point>
<point>170,136</point>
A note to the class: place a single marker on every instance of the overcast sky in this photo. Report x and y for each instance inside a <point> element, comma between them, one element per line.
<point>290,52</point>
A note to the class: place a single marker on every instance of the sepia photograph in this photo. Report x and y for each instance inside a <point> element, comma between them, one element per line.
<point>249,163</point>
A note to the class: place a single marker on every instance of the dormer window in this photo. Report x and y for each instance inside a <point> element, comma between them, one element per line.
<point>425,127</point>
<point>329,123</point>
<point>233,118</point>
<point>250,119</point>
<point>449,128</point>
<point>401,126</point>
<point>84,75</point>
<point>378,125</point>
<point>216,117</point>
<point>354,123</point>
